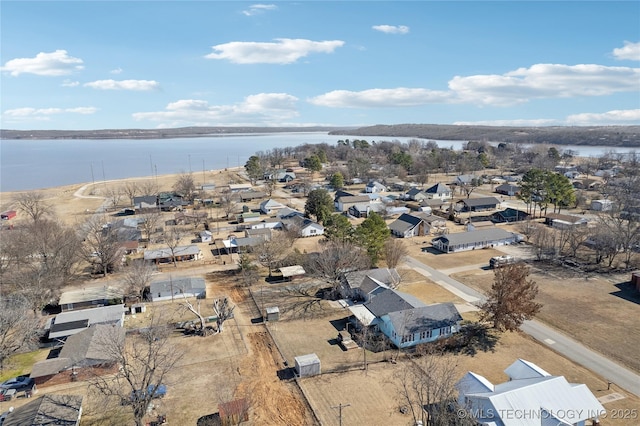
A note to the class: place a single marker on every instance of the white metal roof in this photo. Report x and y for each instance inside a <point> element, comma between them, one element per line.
<point>290,271</point>
<point>364,315</point>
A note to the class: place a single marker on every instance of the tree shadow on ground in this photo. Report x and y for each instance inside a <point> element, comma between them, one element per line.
<point>472,338</point>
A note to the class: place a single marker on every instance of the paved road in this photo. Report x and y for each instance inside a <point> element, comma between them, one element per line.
<point>571,349</point>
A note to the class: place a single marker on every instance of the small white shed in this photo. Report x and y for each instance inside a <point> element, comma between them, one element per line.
<point>272,313</point>
<point>307,365</point>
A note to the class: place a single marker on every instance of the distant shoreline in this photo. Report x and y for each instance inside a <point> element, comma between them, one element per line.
<point>613,136</point>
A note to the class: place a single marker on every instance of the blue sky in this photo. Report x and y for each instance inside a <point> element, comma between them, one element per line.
<point>158,64</point>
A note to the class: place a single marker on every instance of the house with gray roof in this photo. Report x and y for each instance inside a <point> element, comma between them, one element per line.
<point>546,399</point>
<point>303,226</point>
<point>375,186</point>
<point>87,349</point>
<point>71,322</point>
<point>181,253</point>
<point>344,203</point>
<point>360,285</point>
<point>477,204</point>
<point>51,409</point>
<point>270,206</point>
<point>473,240</point>
<point>416,224</point>
<point>177,288</point>
<point>405,320</point>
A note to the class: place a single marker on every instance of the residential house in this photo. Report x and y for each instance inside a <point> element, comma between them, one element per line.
<point>303,226</point>
<point>508,189</point>
<point>463,180</point>
<point>177,288</point>
<point>415,194</point>
<point>264,233</point>
<point>509,215</point>
<point>71,322</point>
<point>344,203</point>
<point>405,320</point>
<point>50,409</point>
<point>564,221</point>
<point>169,201</point>
<point>360,285</point>
<point>190,217</point>
<point>288,212</point>
<point>588,184</point>
<point>238,187</point>
<point>477,204</point>
<point>363,210</point>
<point>84,354</point>
<point>462,241</point>
<point>236,245</point>
<point>246,217</point>
<point>415,224</point>
<point>545,398</point>
<point>269,223</point>
<point>89,297</point>
<point>601,205</point>
<point>251,195</point>
<point>375,187</point>
<point>270,206</point>
<point>181,254</point>
<point>145,202</point>
<point>439,191</point>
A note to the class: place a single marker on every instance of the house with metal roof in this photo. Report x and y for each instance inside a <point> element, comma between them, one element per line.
<point>360,285</point>
<point>473,240</point>
<point>303,226</point>
<point>89,297</point>
<point>531,397</point>
<point>181,253</point>
<point>71,322</point>
<point>508,189</point>
<point>344,203</point>
<point>270,206</point>
<point>375,186</point>
<point>177,288</point>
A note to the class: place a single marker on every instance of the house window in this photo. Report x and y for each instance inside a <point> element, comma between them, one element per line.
<point>426,334</point>
<point>445,331</point>
<point>407,338</point>
<point>313,231</point>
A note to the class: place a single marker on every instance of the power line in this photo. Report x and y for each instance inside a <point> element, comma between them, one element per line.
<point>340,407</point>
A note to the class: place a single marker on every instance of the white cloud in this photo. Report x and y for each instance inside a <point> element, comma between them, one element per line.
<point>629,116</point>
<point>630,51</point>
<point>268,109</point>
<point>69,83</point>
<point>48,64</point>
<point>256,9</point>
<point>43,114</point>
<point>391,29</point>
<point>136,85</point>
<point>282,51</point>
<point>116,71</point>
<point>545,81</point>
<point>380,98</point>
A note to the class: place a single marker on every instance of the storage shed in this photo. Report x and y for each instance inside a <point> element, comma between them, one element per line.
<point>307,365</point>
<point>272,313</point>
<point>635,280</point>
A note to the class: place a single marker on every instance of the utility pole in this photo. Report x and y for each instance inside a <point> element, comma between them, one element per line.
<point>340,407</point>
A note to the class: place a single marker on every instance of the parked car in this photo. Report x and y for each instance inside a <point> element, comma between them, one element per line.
<point>20,384</point>
<point>498,261</point>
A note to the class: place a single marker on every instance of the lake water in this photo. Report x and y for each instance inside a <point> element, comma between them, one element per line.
<point>35,164</point>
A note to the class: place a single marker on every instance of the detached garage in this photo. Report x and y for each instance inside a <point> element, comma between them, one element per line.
<point>307,365</point>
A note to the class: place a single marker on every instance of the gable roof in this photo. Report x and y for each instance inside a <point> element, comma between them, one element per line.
<point>482,201</point>
<point>90,343</point>
<point>429,317</point>
<point>438,188</point>
<point>405,222</point>
<point>552,397</point>
<point>164,253</point>
<point>183,284</point>
<point>388,300</point>
<point>370,279</point>
<point>354,199</point>
<point>271,204</point>
<point>71,322</point>
<point>89,294</point>
<point>52,409</point>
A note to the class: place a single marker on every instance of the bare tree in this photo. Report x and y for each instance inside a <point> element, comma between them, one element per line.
<point>144,361</point>
<point>102,247</point>
<point>248,270</point>
<point>337,258</point>
<point>149,187</point>
<point>195,310</point>
<point>114,195</point>
<point>172,238</point>
<point>426,387</point>
<point>34,205</point>
<point>185,185</point>
<point>223,309</point>
<point>17,328</point>
<point>137,277</point>
<point>394,251</point>
<point>131,190</point>
<point>511,299</point>
<point>149,223</point>
<point>270,252</point>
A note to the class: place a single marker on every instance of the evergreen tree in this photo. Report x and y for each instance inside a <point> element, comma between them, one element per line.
<point>337,180</point>
<point>338,228</point>
<point>253,168</point>
<point>319,204</point>
<point>372,233</point>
